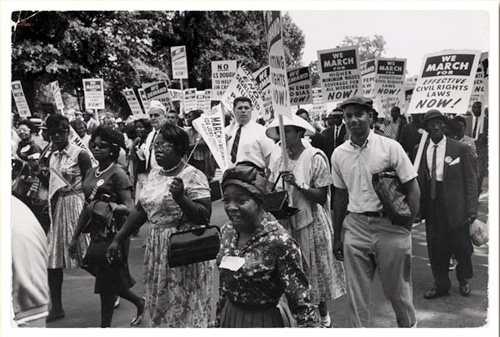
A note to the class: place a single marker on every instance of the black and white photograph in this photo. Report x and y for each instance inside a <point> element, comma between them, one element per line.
<point>216,164</point>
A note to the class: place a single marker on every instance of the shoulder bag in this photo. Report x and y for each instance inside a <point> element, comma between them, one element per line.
<point>277,203</point>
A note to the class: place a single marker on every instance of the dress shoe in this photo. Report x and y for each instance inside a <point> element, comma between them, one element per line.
<point>117,302</point>
<point>434,293</point>
<point>55,315</point>
<point>465,288</point>
<point>140,314</point>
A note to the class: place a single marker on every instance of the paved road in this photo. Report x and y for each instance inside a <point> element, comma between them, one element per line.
<point>82,306</point>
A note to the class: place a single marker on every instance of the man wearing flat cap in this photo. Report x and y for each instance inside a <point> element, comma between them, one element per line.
<point>448,205</point>
<point>335,133</point>
<point>364,236</point>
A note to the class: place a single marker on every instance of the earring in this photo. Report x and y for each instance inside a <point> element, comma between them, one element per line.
<point>111,153</point>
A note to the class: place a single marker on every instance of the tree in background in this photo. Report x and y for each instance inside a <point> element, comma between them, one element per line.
<point>368,47</point>
<point>129,48</point>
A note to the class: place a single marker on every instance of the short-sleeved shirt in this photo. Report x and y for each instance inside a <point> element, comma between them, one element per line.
<point>353,167</point>
<point>254,145</point>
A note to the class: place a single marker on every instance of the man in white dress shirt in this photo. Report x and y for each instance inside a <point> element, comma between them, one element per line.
<point>246,139</point>
<point>157,116</point>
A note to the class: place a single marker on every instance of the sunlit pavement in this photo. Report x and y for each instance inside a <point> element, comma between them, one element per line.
<point>82,306</point>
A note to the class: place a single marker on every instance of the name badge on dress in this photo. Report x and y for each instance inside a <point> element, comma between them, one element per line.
<point>232,262</point>
<point>25,148</point>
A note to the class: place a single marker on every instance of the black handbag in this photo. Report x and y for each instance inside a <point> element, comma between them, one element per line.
<point>390,191</point>
<point>96,252</point>
<point>277,203</point>
<point>193,246</point>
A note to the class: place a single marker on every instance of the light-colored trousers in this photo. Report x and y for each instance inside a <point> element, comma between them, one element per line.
<point>370,244</point>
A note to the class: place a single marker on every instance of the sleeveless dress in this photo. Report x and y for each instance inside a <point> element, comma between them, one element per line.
<point>175,297</point>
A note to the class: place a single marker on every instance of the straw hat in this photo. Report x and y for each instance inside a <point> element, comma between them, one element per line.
<point>272,129</point>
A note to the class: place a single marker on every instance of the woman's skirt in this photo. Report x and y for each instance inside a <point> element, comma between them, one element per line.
<point>64,221</point>
<point>239,316</point>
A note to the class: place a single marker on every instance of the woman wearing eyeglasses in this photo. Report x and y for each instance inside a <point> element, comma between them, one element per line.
<point>109,183</point>
<point>68,165</point>
<point>175,197</point>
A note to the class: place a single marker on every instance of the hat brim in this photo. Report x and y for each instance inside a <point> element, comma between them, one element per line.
<point>272,129</point>
<point>442,117</point>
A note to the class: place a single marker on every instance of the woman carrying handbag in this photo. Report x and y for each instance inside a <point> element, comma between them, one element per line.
<point>108,194</point>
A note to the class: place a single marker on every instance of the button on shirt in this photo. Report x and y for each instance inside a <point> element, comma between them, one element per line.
<point>440,151</point>
<point>353,167</point>
<point>253,146</point>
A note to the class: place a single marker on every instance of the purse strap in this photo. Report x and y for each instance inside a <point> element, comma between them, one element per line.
<point>276,182</point>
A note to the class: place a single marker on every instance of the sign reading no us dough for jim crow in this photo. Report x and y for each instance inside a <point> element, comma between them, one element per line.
<point>93,90</point>
<point>222,74</point>
<point>277,64</point>
<point>179,62</point>
<point>22,106</point>
<point>446,82</point>
<point>300,84</point>
<point>368,72</point>
<point>340,74</point>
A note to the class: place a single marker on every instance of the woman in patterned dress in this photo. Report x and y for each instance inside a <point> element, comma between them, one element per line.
<point>258,261</point>
<point>308,174</point>
<point>68,165</point>
<point>175,196</point>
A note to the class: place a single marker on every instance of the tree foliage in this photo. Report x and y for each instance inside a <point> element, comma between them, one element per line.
<point>368,47</point>
<point>127,48</point>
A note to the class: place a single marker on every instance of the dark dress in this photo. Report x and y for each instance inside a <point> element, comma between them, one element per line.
<point>110,278</point>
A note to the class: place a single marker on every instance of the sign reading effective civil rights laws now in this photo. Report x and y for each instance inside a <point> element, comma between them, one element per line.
<point>93,90</point>
<point>446,82</point>
<point>277,64</point>
<point>179,62</point>
<point>390,78</point>
<point>300,84</point>
<point>222,74</point>
<point>340,73</point>
<point>21,104</point>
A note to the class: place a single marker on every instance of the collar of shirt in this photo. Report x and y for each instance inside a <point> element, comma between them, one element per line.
<point>63,151</point>
<point>441,144</point>
<point>370,136</point>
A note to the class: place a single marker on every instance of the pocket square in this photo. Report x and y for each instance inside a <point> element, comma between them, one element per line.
<point>456,161</point>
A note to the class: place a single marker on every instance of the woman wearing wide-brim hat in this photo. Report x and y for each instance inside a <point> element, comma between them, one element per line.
<point>308,173</point>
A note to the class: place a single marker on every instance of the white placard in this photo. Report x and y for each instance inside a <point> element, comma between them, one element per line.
<point>93,89</point>
<point>222,74</point>
<point>22,106</point>
<point>179,62</point>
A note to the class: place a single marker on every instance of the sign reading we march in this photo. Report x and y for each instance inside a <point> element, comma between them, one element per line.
<point>446,82</point>
<point>179,62</point>
<point>340,73</point>
<point>93,90</point>
<point>390,78</point>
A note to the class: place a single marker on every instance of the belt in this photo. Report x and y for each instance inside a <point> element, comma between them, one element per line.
<point>379,214</point>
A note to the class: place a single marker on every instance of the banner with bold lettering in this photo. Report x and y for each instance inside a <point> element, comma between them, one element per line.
<point>368,71</point>
<point>189,99</point>
<point>22,106</point>
<point>277,65</point>
<point>318,106</point>
<point>300,84</point>
<point>222,74</point>
<point>133,103</point>
<point>73,138</point>
<point>179,62</point>
<point>210,126</point>
<point>56,93</point>
<point>390,78</point>
<point>340,73</point>
<point>243,84</point>
<point>482,68</point>
<point>263,80</point>
<point>93,90</point>
<point>158,91</point>
<point>446,82</point>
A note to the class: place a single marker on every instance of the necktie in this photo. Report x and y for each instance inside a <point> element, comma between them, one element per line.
<point>475,128</point>
<point>234,149</point>
<point>433,173</point>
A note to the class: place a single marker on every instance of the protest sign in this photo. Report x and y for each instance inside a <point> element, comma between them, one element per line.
<point>207,100</point>
<point>300,84</point>
<point>73,138</point>
<point>158,91</point>
<point>340,74</point>
<point>277,65</point>
<point>446,82</point>
<point>175,95</point>
<point>368,71</point>
<point>133,103</point>
<point>263,81</point>
<point>56,92</point>
<point>200,99</point>
<point>179,62</point>
<point>189,99</point>
<point>93,90</point>
<point>222,74</point>
<point>144,100</point>
<point>210,126</point>
<point>318,106</point>
<point>21,104</point>
<point>479,81</point>
<point>243,84</point>
<point>390,78</point>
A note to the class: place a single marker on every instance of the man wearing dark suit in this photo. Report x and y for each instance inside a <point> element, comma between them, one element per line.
<point>336,131</point>
<point>317,140</point>
<point>448,204</point>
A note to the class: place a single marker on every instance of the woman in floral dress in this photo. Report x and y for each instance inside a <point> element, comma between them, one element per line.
<point>175,196</point>
<point>308,174</point>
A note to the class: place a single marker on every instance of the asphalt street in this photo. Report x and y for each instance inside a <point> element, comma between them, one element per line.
<point>82,306</point>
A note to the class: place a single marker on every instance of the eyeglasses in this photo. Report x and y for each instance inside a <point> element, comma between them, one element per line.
<point>99,146</point>
<point>154,115</point>
<point>53,132</point>
<point>162,147</point>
